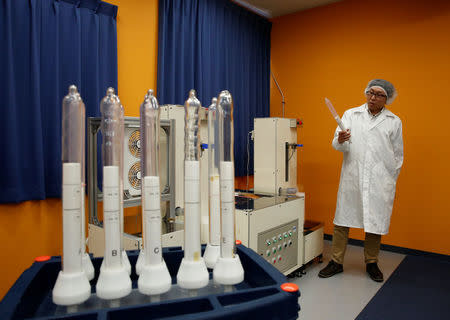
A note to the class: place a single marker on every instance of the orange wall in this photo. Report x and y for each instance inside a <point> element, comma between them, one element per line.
<point>33,228</point>
<point>333,51</point>
<point>137,38</point>
<point>27,230</point>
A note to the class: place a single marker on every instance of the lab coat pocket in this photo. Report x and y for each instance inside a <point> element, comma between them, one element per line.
<point>382,188</point>
<point>350,174</point>
<point>349,191</point>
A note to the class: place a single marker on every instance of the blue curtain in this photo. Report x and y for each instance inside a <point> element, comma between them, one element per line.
<point>212,45</point>
<point>48,45</point>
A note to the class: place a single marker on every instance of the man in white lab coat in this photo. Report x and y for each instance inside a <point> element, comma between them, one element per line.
<point>373,155</point>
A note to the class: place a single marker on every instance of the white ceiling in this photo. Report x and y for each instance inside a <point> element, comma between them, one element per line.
<point>276,8</point>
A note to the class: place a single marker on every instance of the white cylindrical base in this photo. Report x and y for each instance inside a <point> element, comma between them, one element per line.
<point>140,262</point>
<point>154,279</point>
<point>87,266</point>
<point>126,262</point>
<point>211,255</point>
<point>192,246</point>
<point>214,210</point>
<point>71,288</point>
<point>113,283</point>
<point>71,214</point>
<point>228,271</point>
<point>192,274</point>
<point>111,217</point>
<point>227,205</point>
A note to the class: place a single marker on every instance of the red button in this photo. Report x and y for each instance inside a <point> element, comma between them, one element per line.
<point>238,242</point>
<point>279,259</point>
<point>289,287</point>
<point>42,258</point>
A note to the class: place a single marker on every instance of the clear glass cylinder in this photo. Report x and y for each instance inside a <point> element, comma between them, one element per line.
<point>191,139</point>
<point>73,119</point>
<point>226,134</point>
<point>213,169</point>
<point>151,210</point>
<point>112,128</point>
<point>149,135</point>
<point>226,168</point>
<point>213,138</point>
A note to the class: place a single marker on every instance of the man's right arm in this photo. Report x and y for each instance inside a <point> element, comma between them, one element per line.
<point>341,138</point>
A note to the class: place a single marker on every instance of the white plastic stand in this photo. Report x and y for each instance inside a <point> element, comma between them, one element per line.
<point>113,284</point>
<point>114,281</point>
<point>228,269</point>
<point>126,262</point>
<point>71,288</point>
<point>140,262</point>
<point>72,285</point>
<point>192,273</point>
<point>212,251</point>
<point>154,277</point>
<point>88,268</point>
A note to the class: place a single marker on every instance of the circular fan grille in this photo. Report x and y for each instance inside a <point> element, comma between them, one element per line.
<point>134,175</point>
<point>134,144</point>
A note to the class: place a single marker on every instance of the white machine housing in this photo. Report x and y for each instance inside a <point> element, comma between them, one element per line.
<point>275,164</point>
<point>261,225</point>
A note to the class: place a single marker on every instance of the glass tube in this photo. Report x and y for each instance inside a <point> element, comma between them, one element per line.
<point>226,143</point>
<point>192,248</point>
<point>213,168</point>
<point>151,213</point>
<point>73,117</point>
<point>112,151</point>
<point>191,146</point>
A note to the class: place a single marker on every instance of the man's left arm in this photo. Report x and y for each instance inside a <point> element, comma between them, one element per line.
<point>397,145</point>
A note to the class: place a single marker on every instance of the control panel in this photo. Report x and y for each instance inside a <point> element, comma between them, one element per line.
<point>279,245</point>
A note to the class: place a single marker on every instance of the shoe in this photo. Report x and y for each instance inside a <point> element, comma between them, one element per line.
<point>331,269</point>
<point>374,272</point>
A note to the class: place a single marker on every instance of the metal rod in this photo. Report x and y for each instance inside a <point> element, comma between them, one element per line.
<point>279,89</point>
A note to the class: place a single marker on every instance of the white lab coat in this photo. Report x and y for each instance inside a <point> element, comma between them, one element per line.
<point>371,165</point>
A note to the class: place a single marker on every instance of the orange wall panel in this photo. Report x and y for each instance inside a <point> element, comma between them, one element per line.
<point>137,49</point>
<point>27,230</point>
<point>333,51</point>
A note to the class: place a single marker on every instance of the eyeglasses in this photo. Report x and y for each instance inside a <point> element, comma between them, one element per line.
<point>371,93</point>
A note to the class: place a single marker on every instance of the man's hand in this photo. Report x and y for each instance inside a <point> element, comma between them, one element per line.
<point>344,136</point>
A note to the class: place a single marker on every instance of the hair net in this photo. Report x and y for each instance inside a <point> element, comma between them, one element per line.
<point>386,86</point>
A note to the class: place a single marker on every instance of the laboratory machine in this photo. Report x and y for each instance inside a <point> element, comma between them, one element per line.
<point>271,219</point>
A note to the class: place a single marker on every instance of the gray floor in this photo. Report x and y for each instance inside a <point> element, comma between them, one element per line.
<point>344,295</point>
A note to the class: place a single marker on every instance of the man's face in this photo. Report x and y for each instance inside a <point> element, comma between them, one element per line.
<point>376,99</point>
